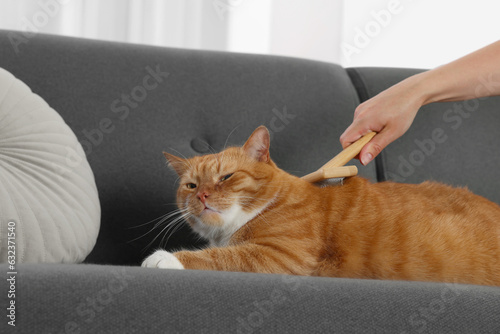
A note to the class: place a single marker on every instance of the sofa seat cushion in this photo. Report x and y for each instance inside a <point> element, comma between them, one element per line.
<point>119,299</point>
<point>49,207</point>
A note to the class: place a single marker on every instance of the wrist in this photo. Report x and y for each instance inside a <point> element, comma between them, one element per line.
<point>422,87</point>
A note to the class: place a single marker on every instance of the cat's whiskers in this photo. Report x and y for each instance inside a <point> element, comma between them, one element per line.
<point>161,219</point>
<point>183,156</point>
<point>263,218</point>
<point>256,205</point>
<point>176,179</point>
<point>149,222</point>
<point>229,135</point>
<point>186,160</point>
<point>174,226</point>
<point>183,211</point>
<point>247,201</point>
<point>212,149</point>
<point>225,143</point>
<point>176,221</point>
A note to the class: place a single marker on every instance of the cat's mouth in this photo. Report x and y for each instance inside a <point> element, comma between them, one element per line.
<point>209,209</point>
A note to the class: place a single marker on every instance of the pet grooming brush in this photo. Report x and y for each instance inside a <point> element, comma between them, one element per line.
<point>335,168</point>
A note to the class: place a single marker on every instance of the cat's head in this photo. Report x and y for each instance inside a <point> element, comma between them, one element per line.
<point>221,192</point>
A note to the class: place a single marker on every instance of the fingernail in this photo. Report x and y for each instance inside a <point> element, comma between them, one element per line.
<point>366,158</point>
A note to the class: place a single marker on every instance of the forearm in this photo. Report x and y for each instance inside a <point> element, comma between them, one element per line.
<point>472,76</point>
<point>391,112</point>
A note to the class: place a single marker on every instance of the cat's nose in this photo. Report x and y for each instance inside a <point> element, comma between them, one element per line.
<point>202,195</point>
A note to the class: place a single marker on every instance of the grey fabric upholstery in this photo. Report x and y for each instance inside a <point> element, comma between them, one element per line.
<point>128,103</point>
<point>118,299</point>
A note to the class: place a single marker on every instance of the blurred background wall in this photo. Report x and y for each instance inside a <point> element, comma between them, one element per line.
<point>394,33</point>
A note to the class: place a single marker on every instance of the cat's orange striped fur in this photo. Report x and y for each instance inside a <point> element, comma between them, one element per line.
<point>259,218</point>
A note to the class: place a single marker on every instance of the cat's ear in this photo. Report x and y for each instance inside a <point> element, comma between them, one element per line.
<point>178,164</point>
<point>257,146</point>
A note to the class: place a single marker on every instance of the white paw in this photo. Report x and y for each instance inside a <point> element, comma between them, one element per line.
<point>162,259</point>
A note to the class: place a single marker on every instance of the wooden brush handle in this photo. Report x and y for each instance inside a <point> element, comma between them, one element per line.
<point>330,173</point>
<point>345,171</point>
<point>350,152</point>
<point>333,168</point>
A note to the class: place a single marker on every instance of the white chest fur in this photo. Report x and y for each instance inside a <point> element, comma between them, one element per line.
<point>234,218</point>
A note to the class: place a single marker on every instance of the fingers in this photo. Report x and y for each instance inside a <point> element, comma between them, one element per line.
<point>389,113</point>
<point>349,137</point>
<point>353,133</point>
<point>375,146</point>
<point>365,120</point>
<point>388,125</point>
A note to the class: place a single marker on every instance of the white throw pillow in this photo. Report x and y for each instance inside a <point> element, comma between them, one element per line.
<point>48,195</point>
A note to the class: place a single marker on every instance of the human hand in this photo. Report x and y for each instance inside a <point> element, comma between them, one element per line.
<point>389,113</point>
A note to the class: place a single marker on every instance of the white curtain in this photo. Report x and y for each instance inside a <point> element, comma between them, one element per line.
<point>176,23</point>
<point>300,28</point>
<point>394,33</point>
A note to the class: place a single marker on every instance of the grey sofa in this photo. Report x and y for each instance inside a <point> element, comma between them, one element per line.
<point>197,100</point>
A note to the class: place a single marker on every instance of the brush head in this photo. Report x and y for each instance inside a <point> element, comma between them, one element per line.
<point>337,181</point>
<point>326,173</point>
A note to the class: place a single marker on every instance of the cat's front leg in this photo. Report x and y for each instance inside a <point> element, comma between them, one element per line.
<point>243,258</point>
<point>162,259</point>
<point>193,260</point>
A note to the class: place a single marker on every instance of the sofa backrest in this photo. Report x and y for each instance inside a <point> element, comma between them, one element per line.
<point>128,103</point>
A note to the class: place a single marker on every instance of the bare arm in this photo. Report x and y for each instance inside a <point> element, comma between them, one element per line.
<point>391,112</point>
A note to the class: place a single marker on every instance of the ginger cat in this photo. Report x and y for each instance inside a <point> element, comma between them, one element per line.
<point>258,218</point>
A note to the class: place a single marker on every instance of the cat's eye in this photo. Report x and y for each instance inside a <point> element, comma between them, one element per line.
<point>190,185</point>
<point>225,177</point>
